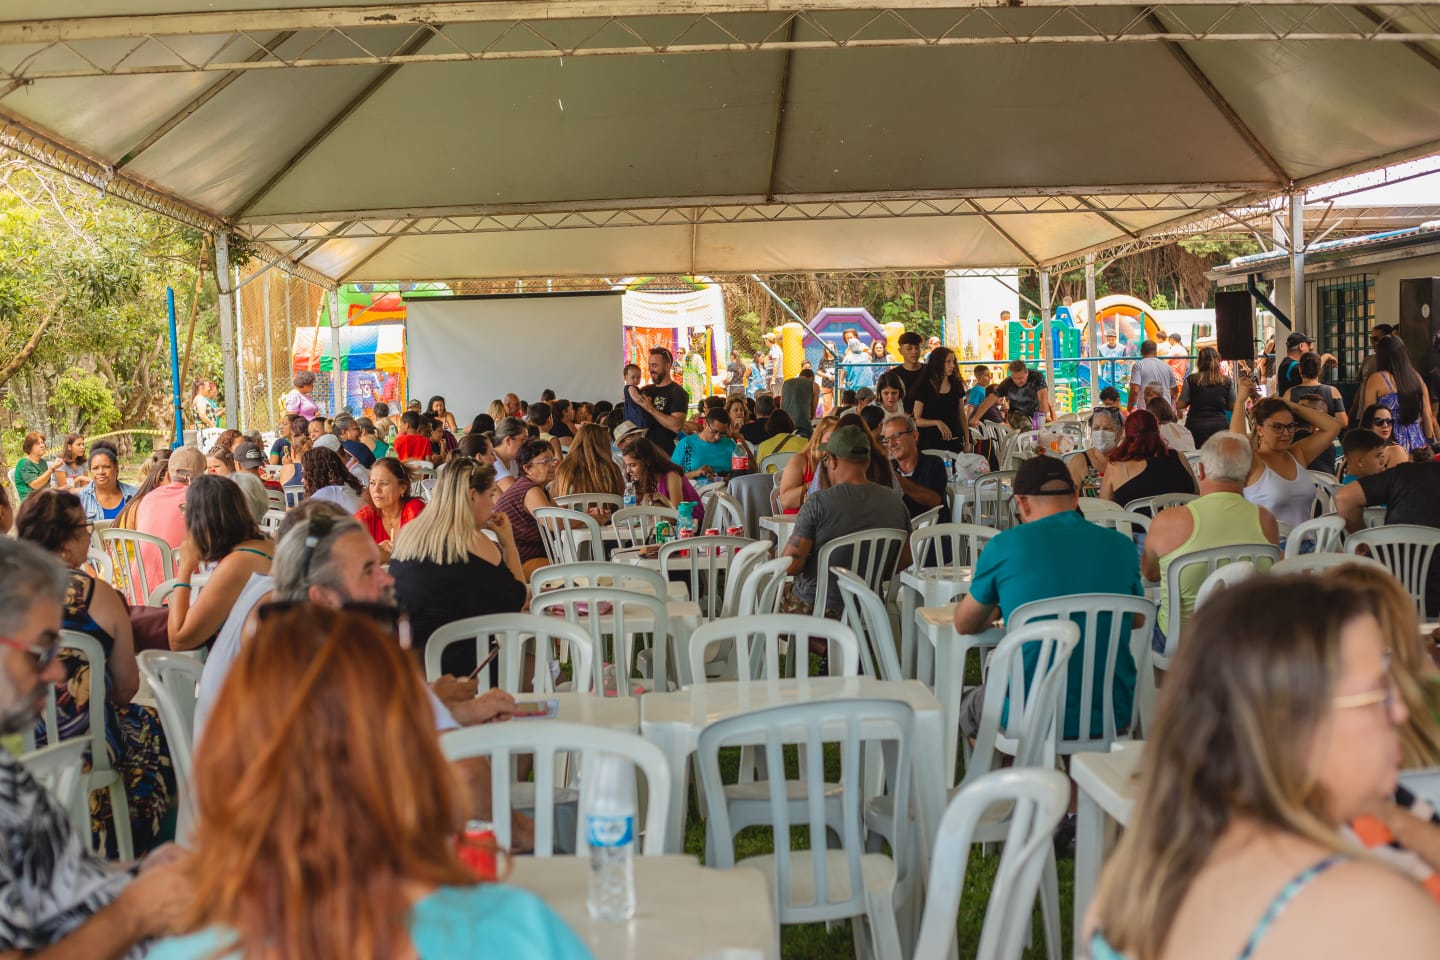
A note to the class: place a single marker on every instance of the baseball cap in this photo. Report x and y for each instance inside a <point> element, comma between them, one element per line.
<point>849,443</point>
<point>186,463</point>
<point>1297,338</point>
<point>624,429</point>
<point>328,442</point>
<point>1043,477</point>
<point>248,455</point>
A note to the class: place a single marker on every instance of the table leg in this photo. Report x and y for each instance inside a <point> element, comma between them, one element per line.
<point>1089,849</point>
<point>907,633</point>
<point>676,757</point>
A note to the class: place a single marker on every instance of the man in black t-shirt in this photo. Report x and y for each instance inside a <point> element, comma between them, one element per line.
<point>909,371</point>
<point>756,432</point>
<point>664,402</point>
<point>1410,493</point>
<point>1028,396</point>
<point>921,477</point>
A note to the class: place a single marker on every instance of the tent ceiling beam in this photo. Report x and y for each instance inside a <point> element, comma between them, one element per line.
<point>1421,51</point>
<point>1030,257</point>
<point>535,30</point>
<point>782,100</point>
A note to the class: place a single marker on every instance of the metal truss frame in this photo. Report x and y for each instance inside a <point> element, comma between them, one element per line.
<point>239,41</point>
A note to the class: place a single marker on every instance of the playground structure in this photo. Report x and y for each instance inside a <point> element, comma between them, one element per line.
<point>799,345</point>
<point>692,319</point>
<point>372,366</point>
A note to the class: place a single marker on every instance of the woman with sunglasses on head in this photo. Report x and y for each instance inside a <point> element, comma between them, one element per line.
<point>1286,730</point>
<point>1380,420</point>
<point>536,463</point>
<point>391,505</point>
<point>445,566</point>
<point>55,521</point>
<point>223,541</point>
<point>1397,386</point>
<point>328,815</point>
<point>1279,480</point>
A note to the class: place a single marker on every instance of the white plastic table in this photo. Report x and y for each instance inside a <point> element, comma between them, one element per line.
<point>927,587</point>
<point>782,525</point>
<point>632,556</point>
<point>949,651</point>
<point>673,722</point>
<point>683,911</point>
<point>1106,787</point>
<point>612,713</point>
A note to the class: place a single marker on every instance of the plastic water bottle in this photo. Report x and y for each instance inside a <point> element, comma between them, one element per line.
<point>630,498</point>
<point>609,794</point>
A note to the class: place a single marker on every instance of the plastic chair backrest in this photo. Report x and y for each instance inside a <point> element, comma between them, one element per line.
<point>1325,487</point>
<point>948,544</point>
<point>502,742</point>
<point>293,496</point>
<point>742,564</point>
<point>722,511</point>
<point>776,462</point>
<point>270,523</point>
<point>60,770</point>
<point>569,536</point>
<point>620,614</point>
<point>1320,562</point>
<point>174,680</point>
<point>757,644</point>
<point>1260,555</point>
<point>1406,550</point>
<point>1123,521</point>
<point>926,519</point>
<point>1096,681</point>
<point>760,591</point>
<point>126,548</point>
<point>597,573</point>
<point>514,633</point>
<point>993,502</point>
<point>1150,506</point>
<point>1036,800</point>
<point>1034,701</point>
<point>865,614</point>
<point>1326,533</point>
<point>585,501</point>
<point>702,560</point>
<point>1222,578</point>
<point>872,555</point>
<point>875,724</point>
<point>1096,507</point>
<point>752,493</point>
<point>101,565</point>
<point>635,526</point>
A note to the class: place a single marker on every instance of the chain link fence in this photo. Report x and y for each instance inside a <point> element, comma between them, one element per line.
<point>271,306</point>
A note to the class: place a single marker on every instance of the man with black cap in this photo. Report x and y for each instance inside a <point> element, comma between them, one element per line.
<point>1288,373</point>
<point>249,458</point>
<point>850,504</point>
<point>1055,552</point>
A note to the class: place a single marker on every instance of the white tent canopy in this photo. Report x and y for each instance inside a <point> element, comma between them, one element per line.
<point>520,138</point>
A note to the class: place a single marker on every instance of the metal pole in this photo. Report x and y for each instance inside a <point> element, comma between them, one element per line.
<point>229,369</point>
<point>175,368</point>
<point>1297,266</point>
<point>1047,348</point>
<point>1092,337</point>
<point>337,378</point>
<point>240,404</point>
<point>269,360</point>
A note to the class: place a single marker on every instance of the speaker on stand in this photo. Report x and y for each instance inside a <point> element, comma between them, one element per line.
<point>1235,325</point>
<point>1420,320</point>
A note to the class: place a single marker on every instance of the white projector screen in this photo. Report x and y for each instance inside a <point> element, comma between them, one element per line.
<point>472,350</point>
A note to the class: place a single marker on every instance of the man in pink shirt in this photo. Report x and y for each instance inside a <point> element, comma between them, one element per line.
<point>161,510</point>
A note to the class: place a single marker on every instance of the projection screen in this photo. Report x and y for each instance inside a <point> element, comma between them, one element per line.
<point>472,350</point>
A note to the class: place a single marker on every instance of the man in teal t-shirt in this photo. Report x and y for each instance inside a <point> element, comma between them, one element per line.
<point>1055,552</point>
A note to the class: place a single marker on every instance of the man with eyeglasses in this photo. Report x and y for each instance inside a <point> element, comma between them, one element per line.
<point>57,900</point>
<point>921,477</point>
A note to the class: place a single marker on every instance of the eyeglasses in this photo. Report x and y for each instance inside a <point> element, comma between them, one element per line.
<point>44,654</point>
<point>543,462</point>
<point>892,438</point>
<point>1385,695</point>
<point>1283,427</point>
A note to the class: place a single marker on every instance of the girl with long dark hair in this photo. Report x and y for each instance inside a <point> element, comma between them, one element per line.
<point>1206,397</point>
<point>940,404</point>
<point>1396,385</point>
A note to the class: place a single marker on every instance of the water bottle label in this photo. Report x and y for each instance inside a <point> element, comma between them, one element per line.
<point>610,831</point>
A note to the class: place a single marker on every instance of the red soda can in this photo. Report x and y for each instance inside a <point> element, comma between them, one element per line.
<point>477,849</point>
<point>712,531</point>
<point>734,531</point>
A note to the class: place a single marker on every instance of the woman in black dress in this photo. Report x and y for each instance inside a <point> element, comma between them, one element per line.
<point>940,404</point>
<point>1207,396</point>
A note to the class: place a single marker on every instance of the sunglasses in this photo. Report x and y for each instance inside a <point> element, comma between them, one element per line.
<point>1387,422</point>
<point>44,653</point>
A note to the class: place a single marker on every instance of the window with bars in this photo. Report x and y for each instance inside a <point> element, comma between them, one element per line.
<point>1344,308</point>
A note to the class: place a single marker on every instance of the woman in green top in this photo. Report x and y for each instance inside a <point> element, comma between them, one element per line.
<point>32,473</point>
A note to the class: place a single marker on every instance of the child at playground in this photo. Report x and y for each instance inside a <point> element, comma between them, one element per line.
<point>978,392</point>
<point>1110,399</point>
<point>633,411</point>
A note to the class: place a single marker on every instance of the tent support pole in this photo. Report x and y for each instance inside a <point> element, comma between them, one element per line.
<point>227,322</point>
<point>269,353</point>
<point>240,405</point>
<point>1046,346</point>
<point>1092,328</point>
<point>1297,264</point>
<point>336,375</point>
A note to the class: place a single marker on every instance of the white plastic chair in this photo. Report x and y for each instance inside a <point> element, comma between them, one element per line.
<point>1320,562</point>
<point>275,499</point>
<point>597,573</point>
<point>872,555</point>
<point>1018,448</point>
<point>1326,533</point>
<point>1406,550</point>
<point>587,501</point>
<point>760,591</point>
<point>568,536</point>
<point>722,511</point>
<point>547,741</point>
<point>1122,520</point>
<point>60,770</point>
<point>702,561</point>
<point>294,496</point>
<point>742,564</point>
<point>1124,614</point>
<point>126,549</point>
<point>865,615</point>
<point>776,462</point>
<point>1325,487</point>
<point>270,523</point>
<point>993,502</point>
<point>757,641</point>
<point>926,519</point>
<point>1260,555</point>
<point>174,680</point>
<point>515,633</point>
<point>1223,578</point>
<point>1150,506</point>
<point>623,616</point>
<point>103,775</point>
<point>1034,801</point>
<point>635,526</point>
<point>1095,507</point>
<point>827,881</point>
<point>948,544</point>
<point>100,565</point>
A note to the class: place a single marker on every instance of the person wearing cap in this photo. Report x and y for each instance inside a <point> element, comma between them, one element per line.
<point>930,346</point>
<point>161,512</point>
<point>510,435</point>
<point>249,458</point>
<point>1151,371</point>
<point>1054,552</point>
<point>1288,372</point>
<point>849,505</point>
<point>332,443</point>
<point>348,431</point>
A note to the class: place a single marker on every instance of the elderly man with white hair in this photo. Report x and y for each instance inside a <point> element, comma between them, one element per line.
<point>1219,517</point>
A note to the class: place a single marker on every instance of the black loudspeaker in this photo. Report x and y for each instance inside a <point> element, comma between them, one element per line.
<point>1235,325</point>
<point>1420,319</point>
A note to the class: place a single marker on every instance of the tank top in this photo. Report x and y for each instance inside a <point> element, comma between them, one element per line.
<point>1217,520</point>
<point>1292,501</point>
<point>1166,474</point>
<point>528,542</point>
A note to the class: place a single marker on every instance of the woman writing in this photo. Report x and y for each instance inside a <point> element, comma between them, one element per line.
<point>391,505</point>
<point>660,482</point>
<point>1278,480</point>
<point>536,464</point>
<point>298,400</point>
<point>221,539</point>
<point>1141,465</point>
<point>589,468</point>
<point>940,404</point>
<point>327,814</point>
<point>1206,397</point>
<point>104,496</point>
<point>1396,385</point>
<point>1244,858</point>
<point>447,569</point>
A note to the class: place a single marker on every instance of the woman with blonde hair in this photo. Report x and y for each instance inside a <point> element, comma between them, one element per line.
<point>1277,726</point>
<point>589,467</point>
<point>445,566</point>
<point>327,813</point>
<point>497,410</point>
<point>805,474</point>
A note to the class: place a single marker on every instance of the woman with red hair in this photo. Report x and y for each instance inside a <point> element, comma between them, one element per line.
<point>1142,465</point>
<point>328,815</point>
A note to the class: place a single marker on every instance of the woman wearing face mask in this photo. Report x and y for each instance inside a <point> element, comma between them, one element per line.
<point>1207,396</point>
<point>1087,467</point>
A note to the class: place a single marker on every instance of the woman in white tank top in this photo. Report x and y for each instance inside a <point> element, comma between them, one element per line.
<point>1278,480</point>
